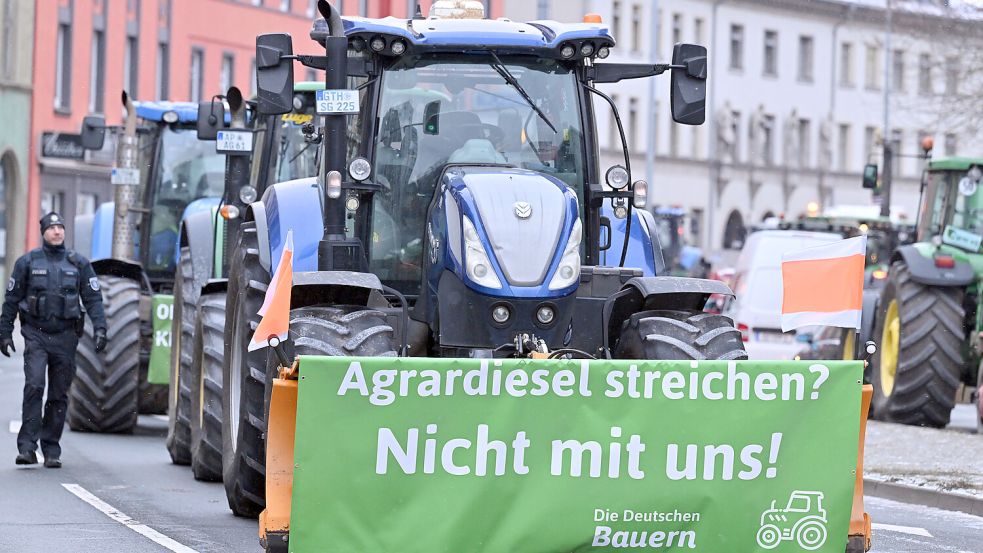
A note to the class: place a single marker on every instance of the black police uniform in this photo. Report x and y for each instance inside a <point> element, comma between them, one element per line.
<point>44,289</point>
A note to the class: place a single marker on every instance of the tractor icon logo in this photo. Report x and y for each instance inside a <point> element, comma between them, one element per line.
<point>803,521</point>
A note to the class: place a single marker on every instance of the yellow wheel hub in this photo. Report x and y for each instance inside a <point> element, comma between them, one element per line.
<point>850,338</point>
<point>890,341</point>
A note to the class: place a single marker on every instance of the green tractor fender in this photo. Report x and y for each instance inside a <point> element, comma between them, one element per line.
<point>198,234</point>
<point>924,271</point>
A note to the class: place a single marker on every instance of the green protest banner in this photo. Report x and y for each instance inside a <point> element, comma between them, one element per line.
<point>467,455</point>
<point>162,312</point>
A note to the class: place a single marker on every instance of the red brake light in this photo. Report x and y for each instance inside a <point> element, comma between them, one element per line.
<point>945,261</point>
<point>745,331</point>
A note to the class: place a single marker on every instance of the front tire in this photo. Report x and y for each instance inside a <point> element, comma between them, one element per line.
<point>679,335</point>
<point>917,367</point>
<point>206,392</point>
<point>182,336</point>
<point>245,381</point>
<point>104,395</point>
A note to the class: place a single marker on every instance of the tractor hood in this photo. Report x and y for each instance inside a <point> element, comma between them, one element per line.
<point>524,220</point>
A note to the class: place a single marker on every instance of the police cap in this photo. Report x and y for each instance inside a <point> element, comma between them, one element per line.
<point>51,220</point>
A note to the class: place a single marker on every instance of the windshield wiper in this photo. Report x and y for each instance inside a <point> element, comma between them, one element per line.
<point>510,79</point>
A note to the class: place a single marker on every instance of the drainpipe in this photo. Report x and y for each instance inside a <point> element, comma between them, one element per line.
<point>715,164</point>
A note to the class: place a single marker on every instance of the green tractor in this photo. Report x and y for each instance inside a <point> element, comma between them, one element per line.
<point>928,317</point>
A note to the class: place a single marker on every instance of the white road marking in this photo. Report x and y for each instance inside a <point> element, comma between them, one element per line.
<point>902,529</point>
<point>121,518</point>
<point>14,427</point>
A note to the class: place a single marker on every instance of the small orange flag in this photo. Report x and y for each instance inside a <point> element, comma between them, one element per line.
<point>275,311</point>
<point>824,285</point>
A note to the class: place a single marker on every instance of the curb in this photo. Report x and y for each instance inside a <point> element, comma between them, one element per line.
<point>924,496</point>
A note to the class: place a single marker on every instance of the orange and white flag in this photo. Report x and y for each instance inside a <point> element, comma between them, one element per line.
<point>824,285</point>
<point>275,311</point>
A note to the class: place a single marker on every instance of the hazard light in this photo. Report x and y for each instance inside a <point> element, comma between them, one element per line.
<point>945,261</point>
<point>457,9</point>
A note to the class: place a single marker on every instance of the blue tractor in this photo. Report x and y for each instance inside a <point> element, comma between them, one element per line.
<point>259,150</point>
<point>460,210</point>
<point>161,174</point>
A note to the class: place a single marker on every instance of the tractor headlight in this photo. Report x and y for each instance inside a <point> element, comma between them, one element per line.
<point>359,169</point>
<point>477,265</point>
<point>568,271</point>
<point>247,194</point>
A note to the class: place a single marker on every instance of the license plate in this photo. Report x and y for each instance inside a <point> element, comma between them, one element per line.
<point>337,101</point>
<point>774,337</point>
<point>124,176</point>
<point>233,142</point>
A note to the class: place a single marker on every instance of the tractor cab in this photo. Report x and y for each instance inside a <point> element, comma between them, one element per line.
<point>952,203</point>
<point>171,169</point>
<point>282,147</point>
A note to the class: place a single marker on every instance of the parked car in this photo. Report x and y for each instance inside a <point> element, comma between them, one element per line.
<point>757,308</point>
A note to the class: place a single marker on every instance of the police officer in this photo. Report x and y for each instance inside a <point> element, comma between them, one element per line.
<point>45,288</point>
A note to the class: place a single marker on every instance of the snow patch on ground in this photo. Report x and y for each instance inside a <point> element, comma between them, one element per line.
<point>931,458</point>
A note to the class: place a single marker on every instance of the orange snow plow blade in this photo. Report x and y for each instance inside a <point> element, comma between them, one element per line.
<point>859,520</point>
<point>274,521</point>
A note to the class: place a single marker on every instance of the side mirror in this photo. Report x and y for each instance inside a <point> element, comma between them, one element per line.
<point>870,175</point>
<point>431,117</point>
<point>274,74</point>
<point>211,118</point>
<point>93,132</point>
<point>688,94</point>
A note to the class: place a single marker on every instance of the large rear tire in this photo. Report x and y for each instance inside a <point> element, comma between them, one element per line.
<point>919,359</point>
<point>206,393</point>
<point>182,337</point>
<point>679,335</point>
<point>245,379</point>
<point>103,397</point>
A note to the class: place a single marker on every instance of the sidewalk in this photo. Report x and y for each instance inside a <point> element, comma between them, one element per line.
<point>925,461</point>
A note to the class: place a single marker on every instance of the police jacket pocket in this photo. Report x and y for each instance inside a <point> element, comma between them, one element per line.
<point>70,293</point>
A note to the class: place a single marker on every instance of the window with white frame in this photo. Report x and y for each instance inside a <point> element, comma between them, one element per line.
<point>162,82</point>
<point>806,55</point>
<point>736,46</point>
<point>843,154</point>
<point>872,70</point>
<point>97,72</point>
<point>63,67</point>
<point>846,64</point>
<point>197,74</point>
<point>771,54</point>
<point>924,74</point>
<point>897,71</point>
<point>227,77</point>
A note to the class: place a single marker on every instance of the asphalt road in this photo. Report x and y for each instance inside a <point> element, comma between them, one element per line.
<point>131,473</point>
<point>903,528</point>
<point>121,493</point>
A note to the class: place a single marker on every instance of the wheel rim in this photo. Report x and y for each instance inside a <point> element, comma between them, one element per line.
<point>890,341</point>
<point>768,537</point>
<point>235,373</point>
<point>848,352</point>
<point>811,536</point>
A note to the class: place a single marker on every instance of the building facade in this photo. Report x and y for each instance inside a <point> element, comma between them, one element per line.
<point>16,51</point>
<point>796,100</point>
<point>88,51</point>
